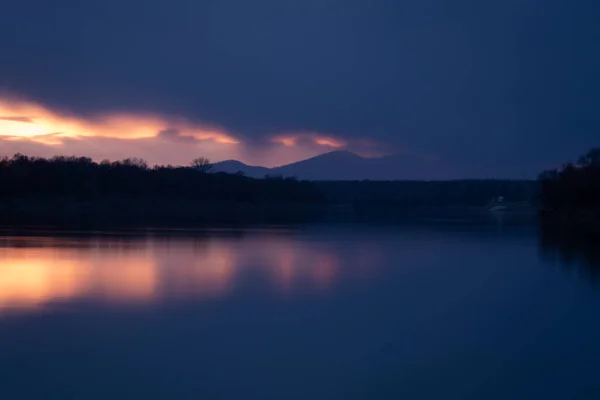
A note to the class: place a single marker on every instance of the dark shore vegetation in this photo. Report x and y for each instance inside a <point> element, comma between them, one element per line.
<point>418,194</point>
<point>571,193</point>
<point>65,189</point>
<point>62,190</point>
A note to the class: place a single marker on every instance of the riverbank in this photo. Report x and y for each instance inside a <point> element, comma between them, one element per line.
<point>155,212</point>
<point>175,213</point>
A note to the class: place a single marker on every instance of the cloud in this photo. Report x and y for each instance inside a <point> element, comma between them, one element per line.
<point>42,121</point>
<point>48,138</point>
<point>175,136</point>
<point>399,72</point>
<point>31,128</point>
<point>307,139</point>
<point>34,129</point>
<point>17,119</point>
<point>153,150</point>
<point>317,142</point>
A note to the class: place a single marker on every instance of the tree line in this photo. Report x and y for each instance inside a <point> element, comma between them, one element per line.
<point>82,179</point>
<point>65,188</point>
<point>573,189</point>
<point>408,194</point>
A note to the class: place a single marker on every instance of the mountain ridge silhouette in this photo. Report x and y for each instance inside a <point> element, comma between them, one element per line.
<point>346,165</point>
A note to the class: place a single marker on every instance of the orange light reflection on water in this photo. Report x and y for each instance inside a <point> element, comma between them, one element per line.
<point>37,271</point>
<point>33,276</point>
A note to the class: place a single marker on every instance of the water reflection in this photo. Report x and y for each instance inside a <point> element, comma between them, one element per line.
<point>572,248</point>
<point>35,271</point>
<point>33,275</point>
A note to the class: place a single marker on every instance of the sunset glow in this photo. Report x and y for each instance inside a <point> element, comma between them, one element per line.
<point>291,140</point>
<point>29,121</point>
<point>36,130</point>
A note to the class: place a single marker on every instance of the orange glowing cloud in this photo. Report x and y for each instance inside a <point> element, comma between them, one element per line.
<point>329,141</point>
<point>21,120</point>
<point>37,130</point>
<point>291,140</point>
<point>286,141</point>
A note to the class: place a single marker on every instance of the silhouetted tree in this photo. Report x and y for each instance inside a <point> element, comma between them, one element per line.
<point>202,164</point>
<point>135,162</point>
<point>573,191</point>
<point>590,159</point>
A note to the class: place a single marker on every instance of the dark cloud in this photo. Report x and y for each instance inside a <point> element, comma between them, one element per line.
<point>17,119</point>
<point>509,86</point>
<point>175,136</point>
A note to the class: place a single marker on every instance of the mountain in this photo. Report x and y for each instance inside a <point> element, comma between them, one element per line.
<point>345,165</point>
<point>234,166</point>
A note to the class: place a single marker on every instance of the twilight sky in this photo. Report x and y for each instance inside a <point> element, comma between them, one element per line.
<point>507,87</point>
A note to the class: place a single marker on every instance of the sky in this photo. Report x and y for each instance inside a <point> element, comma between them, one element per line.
<point>507,87</point>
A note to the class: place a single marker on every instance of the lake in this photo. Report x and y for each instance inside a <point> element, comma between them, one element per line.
<point>432,311</point>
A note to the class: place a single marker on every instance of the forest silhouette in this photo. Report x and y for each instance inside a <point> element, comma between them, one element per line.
<point>58,189</point>
<point>571,193</point>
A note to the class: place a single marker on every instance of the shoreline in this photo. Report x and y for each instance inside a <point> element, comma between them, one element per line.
<point>163,213</point>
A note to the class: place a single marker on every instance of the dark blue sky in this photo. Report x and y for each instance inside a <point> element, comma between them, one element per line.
<point>505,86</point>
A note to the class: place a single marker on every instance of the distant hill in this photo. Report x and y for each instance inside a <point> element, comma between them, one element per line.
<point>345,165</point>
<point>234,166</point>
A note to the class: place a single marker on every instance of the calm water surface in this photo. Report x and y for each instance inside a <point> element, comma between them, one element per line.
<point>435,312</point>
